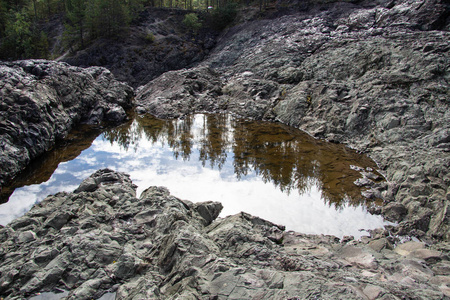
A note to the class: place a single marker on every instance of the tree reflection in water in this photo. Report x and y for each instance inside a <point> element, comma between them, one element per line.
<point>288,158</point>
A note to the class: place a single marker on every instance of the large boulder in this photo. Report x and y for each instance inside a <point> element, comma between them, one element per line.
<point>41,101</point>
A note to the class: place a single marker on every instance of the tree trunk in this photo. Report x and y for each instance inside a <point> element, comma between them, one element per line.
<point>35,10</point>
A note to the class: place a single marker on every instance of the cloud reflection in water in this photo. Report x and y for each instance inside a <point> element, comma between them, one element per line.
<point>268,170</point>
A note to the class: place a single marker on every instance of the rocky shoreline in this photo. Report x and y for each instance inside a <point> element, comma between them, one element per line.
<point>102,239</point>
<point>41,101</point>
<point>374,77</point>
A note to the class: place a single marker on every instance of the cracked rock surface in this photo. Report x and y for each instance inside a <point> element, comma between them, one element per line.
<point>103,239</point>
<point>41,101</point>
<point>374,76</point>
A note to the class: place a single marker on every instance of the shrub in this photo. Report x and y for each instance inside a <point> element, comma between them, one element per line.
<point>224,16</point>
<point>191,22</point>
<point>149,38</point>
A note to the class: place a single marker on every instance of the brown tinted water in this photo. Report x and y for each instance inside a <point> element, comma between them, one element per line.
<point>265,169</point>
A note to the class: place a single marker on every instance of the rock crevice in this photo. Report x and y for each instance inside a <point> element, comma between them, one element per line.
<point>105,240</point>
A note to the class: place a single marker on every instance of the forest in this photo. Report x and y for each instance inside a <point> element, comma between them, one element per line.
<point>23,23</point>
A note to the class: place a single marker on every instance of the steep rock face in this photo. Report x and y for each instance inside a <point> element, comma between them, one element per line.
<point>41,101</point>
<point>372,76</point>
<point>156,43</point>
<point>101,238</point>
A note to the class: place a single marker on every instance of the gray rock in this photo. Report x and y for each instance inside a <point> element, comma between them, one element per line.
<point>380,244</point>
<point>41,101</point>
<point>26,236</point>
<point>372,76</point>
<point>394,211</point>
<point>58,219</point>
<point>159,247</point>
<point>209,211</point>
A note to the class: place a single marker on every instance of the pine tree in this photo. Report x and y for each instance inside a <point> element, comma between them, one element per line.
<point>3,16</point>
<point>107,17</point>
<point>17,41</point>
<point>75,22</point>
<point>134,7</point>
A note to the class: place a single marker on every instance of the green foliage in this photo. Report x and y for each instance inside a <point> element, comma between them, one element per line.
<point>20,33</point>
<point>75,23</point>
<point>21,39</point>
<point>191,22</point>
<point>149,38</point>
<point>89,20</point>
<point>40,45</point>
<point>134,7</point>
<point>106,18</point>
<point>223,16</point>
<point>18,38</point>
<point>3,16</point>
<point>44,9</point>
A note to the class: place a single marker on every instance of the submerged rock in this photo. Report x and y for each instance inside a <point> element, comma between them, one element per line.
<point>158,246</point>
<point>41,101</point>
<point>372,76</point>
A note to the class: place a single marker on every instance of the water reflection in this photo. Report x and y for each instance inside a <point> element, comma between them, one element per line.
<point>41,169</point>
<point>278,154</point>
<point>268,170</point>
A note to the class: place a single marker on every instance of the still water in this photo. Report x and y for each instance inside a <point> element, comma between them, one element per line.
<point>265,169</point>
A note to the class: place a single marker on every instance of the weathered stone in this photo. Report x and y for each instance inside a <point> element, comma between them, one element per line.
<point>23,223</point>
<point>209,211</point>
<point>372,292</point>
<point>26,236</point>
<point>442,268</point>
<point>41,101</point>
<point>88,185</point>
<point>358,257</point>
<point>427,255</point>
<point>380,244</point>
<point>58,219</point>
<point>408,247</point>
<point>126,266</point>
<point>43,255</point>
<point>370,75</point>
<point>359,74</point>
<point>394,211</point>
<point>159,247</point>
<point>147,217</point>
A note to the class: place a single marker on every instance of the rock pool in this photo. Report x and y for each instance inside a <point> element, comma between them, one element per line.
<point>266,169</point>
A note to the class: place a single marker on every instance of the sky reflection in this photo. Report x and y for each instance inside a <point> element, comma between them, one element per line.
<point>267,170</point>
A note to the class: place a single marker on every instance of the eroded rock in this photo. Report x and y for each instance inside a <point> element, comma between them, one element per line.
<point>41,101</point>
<point>372,76</point>
<point>161,247</point>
